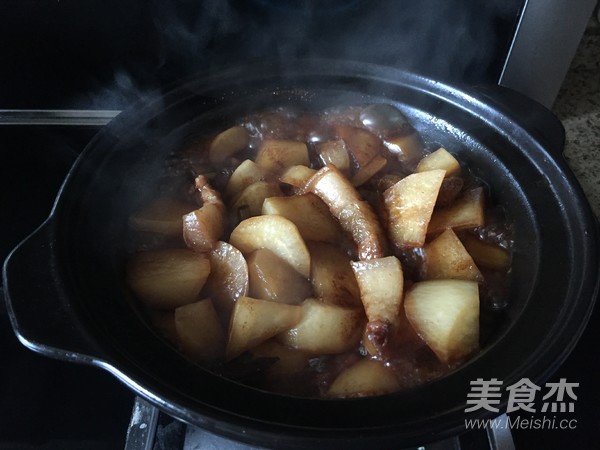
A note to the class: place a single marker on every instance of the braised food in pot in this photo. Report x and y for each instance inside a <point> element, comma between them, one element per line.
<point>335,253</point>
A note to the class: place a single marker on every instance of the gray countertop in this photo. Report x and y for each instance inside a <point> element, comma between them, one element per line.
<point>578,108</point>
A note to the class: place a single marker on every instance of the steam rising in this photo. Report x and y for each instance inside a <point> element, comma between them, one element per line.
<point>448,40</point>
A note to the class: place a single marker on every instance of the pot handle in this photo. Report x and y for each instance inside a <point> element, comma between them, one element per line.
<point>39,311</point>
<point>537,118</point>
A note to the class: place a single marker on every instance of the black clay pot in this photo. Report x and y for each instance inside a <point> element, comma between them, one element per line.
<point>66,295</point>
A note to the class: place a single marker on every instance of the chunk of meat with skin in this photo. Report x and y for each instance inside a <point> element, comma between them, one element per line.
<point>207,193</point>
<point>203,227</point>
<point>377,332</point>
<point>354,214</point>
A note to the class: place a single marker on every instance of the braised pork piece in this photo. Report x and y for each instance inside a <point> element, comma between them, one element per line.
<point>331,254</point>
